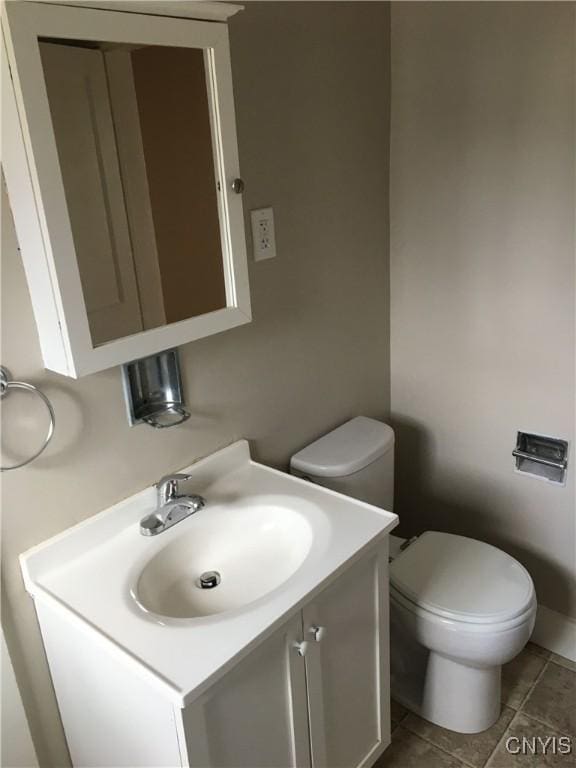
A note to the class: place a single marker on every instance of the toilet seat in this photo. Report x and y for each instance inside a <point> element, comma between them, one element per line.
<point>460,623</point>
<point>462,580</point>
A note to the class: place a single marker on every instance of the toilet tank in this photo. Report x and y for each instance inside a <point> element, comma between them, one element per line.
<point>357,459</point>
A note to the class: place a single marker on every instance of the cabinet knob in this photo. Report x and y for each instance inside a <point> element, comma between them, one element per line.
<point>317,633</point>
<point>301,648</point>
<point>238,186</point>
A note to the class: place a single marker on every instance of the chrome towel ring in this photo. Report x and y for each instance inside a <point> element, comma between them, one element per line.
<point>5,385</point>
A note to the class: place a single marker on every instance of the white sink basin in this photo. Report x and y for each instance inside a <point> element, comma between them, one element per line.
<point>254,547</point>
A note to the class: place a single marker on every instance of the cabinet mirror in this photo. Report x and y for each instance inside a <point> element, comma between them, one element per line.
<point>128,133</point>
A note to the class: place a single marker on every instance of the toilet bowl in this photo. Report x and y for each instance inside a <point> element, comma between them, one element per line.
<point>459,608</point>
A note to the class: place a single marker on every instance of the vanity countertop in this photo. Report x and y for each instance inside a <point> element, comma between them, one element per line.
<point>89,572</point>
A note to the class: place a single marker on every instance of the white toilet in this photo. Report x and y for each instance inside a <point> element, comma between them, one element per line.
<point>459,608</point>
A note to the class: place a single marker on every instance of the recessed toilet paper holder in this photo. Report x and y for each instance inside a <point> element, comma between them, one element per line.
<point>541,456</point>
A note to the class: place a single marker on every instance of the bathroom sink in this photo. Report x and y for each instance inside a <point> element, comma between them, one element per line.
<point>274,539</point>
<point>227,559</point>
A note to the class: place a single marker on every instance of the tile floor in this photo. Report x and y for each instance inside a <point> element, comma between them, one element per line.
<point>538,699</point>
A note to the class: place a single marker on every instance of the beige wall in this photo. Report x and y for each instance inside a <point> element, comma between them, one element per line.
<point>482,273</point>
<point>311,88</point>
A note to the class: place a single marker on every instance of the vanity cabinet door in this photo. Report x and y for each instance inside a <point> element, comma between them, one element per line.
<point>256,715</point>
<point>347,667</point>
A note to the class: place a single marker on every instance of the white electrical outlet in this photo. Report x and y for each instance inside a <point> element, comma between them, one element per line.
<point>263,236</point>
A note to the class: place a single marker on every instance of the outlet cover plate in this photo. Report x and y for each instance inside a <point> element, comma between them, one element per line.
<point>263,235</point>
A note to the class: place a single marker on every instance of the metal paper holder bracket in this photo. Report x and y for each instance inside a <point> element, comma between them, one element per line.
<point>542,456</point>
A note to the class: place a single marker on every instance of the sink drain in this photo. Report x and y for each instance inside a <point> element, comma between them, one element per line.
<point>209,580</point>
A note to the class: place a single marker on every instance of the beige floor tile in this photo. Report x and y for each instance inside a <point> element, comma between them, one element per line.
<point>518,677</point>
<point>553,698</point>
<point>524,727</point>
<point>473,749</point>
<point>563,662</point>
<point>537,650</point>
<point>410,751</point>
<point>397,711</point>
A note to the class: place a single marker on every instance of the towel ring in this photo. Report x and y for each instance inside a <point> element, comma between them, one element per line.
<point>5,385</point>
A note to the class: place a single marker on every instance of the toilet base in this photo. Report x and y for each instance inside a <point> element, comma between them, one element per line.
<point>454,695</point>
<point>461,698</point>
<point>447,693</point>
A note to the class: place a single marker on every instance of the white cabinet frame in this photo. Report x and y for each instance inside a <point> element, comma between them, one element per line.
<point>36,189</point>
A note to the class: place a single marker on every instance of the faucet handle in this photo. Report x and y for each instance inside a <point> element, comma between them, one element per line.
<point>168,487</point>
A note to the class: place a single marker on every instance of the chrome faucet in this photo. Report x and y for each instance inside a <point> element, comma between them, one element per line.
<point>172,507</point>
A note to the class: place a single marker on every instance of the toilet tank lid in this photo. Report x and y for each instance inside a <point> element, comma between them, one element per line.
<point>347,449</point>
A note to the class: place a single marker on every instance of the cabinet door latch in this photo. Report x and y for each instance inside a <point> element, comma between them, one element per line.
<point>301,648</point>
<point>317,633</point>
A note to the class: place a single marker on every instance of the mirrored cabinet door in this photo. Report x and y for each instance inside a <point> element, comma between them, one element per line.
<point>86,141</point>
<point>128,127</point>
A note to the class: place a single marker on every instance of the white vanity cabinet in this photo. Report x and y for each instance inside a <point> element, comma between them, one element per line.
<point>285,664</point>
<point>314,694</point>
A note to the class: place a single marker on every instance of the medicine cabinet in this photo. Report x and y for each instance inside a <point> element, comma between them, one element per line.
<point>121,162</point>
